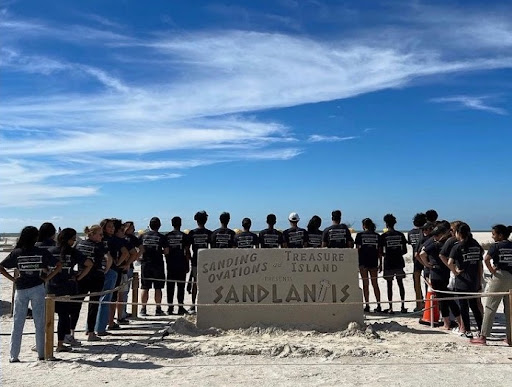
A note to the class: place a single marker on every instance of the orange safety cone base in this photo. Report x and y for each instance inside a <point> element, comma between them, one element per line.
<point>425,320</point>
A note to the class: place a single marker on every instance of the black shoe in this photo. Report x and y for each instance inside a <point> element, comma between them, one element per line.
<point>192,310</point>
<point>122,321</point>
<point>182,311</point>
<point>159,312</point>
<point>170,311</point>
<point>143,312</point>
<point>14,360</point>
<point>366,309</point>
<point>378,309</point>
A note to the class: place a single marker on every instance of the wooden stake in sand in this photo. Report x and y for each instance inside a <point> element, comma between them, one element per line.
<point>49,326</point>
<point>509,336</point>
<point>135,294</point>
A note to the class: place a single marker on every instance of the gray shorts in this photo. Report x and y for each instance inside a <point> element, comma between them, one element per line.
<point>389,274</point>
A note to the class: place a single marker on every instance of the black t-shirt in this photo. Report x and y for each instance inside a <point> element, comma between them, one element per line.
<point>30,265</point>
<point>337,236</point>
<point>315,238</point>
<point>199,239</point>
<point>295,237</point>
<point>424,239</point>
<point>178,241</point>
<point>222,238</point>
<point>448,246</point>
<point>501,254</point>
<point>60,284</point>
<point>246,240</point>
<point>439,271</point>
<point>414,237</point>
<point>368,243</point>
<point>46,244</point>
<point>154,244</point>
<point>95,251</point>
<point>394,247</point>
<point>132,241</point>
<point>467,257</point>
<point>271,238</point>
<point>115,245</point>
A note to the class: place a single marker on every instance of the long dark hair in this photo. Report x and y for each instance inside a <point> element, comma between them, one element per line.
<point>62,240</point>
<point>46,231</point>
<point>28,238</point>
<point>368,224</point>
<point>314,223</point>
<point>501,229</point>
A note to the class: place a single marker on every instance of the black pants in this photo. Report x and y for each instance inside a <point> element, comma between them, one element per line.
<point>174,274</point>
<point>445,306</point>
<point>63,310</point>
<point>92,283</point>
<point>464,312</point>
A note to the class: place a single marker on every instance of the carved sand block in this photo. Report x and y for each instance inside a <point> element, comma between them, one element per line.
<point>299,287</point>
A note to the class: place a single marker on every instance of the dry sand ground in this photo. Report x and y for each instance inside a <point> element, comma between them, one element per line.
<point>389,350</point>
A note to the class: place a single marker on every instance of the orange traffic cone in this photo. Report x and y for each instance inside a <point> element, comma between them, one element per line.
<point>431,313</point>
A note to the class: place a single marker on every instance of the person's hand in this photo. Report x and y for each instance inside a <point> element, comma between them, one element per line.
<point>458,271</point>
<point>493,270</point>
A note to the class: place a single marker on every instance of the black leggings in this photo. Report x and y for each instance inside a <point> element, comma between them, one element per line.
<point>445,306</point>
<point>176,275</point>
<point>464,312</point>
<point>63,310</point>
<point>93,284</point>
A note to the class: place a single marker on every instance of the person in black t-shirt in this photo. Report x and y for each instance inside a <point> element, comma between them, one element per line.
<point>394,246</point>
<point>246,239</point>
<point>177,265</point>
<point>133,245</point>
<point>223,237</point>
<point>152,268</point>
<point>338,235</point>
<point>465,261</point>
<point>65,283</point>
<point>199,239</point>
<point>370,260</point>
<point>270,237</point>
<point>413,238</point>
<point>294,237</point>
<point>431,216</point>
<point>425,238</point>
<point>314,232</point>
<point>500,254</point>
<point>94,249</point>
<point>32,266</point>
<point>440,274</point>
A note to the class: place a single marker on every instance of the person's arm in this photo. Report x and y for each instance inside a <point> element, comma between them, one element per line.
<point>56,270</point>
<point>489,265</point>
<point>6,274</point>
<point>424,259</point>
<point>87,268</point>
<point>450,262</point>
<point>109,261</point>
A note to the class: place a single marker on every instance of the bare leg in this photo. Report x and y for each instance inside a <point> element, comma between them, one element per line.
<point>375,285</point>
<point>366,293</point>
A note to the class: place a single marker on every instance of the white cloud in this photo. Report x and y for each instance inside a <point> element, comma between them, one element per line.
<point>322,138</point>
<point>471,102</point>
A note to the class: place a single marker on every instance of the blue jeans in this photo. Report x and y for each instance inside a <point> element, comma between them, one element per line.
<point>22,297</point>
<point>125,294</point>
<point>104,310</point>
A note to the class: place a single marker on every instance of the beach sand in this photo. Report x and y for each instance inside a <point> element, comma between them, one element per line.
<point>387,350</point>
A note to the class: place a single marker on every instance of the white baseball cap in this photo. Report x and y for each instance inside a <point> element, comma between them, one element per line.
<point>293,217</point>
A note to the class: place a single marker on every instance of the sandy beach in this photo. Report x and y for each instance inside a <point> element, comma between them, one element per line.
<point>387,350</point>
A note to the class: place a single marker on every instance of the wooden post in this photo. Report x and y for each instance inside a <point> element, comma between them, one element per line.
<point>135,294</point>
<point>509,336</point>
<point>12,298</point>
<point>49,326</point>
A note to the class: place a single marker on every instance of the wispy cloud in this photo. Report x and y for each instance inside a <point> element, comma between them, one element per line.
<point>197,91</point>
<point>471,102</point>
<point>322,138</point>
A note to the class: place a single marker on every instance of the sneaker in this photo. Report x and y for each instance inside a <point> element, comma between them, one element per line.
<point>170,310</point>
<point>366,309</point>
<point>403,310</point>
<point>378,309</point>
<point>114,327</point>
<point>192,310</point>
<point>182,310</point>
<point>64,348</point>
<point>123,321</point>
<point>468,334</point>
<point>70,340</point>
<point>93,337</point>
<point>14,360</point>
<point>143,312</point>
<point>104,333</point>
<point>159,312</point>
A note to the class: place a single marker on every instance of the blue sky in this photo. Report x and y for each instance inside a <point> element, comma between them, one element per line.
<point>137,109</point>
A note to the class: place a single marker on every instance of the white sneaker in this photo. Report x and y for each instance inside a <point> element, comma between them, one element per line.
<point>68,339</point>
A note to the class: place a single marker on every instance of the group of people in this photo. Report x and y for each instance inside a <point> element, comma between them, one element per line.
<point>101,265</point>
